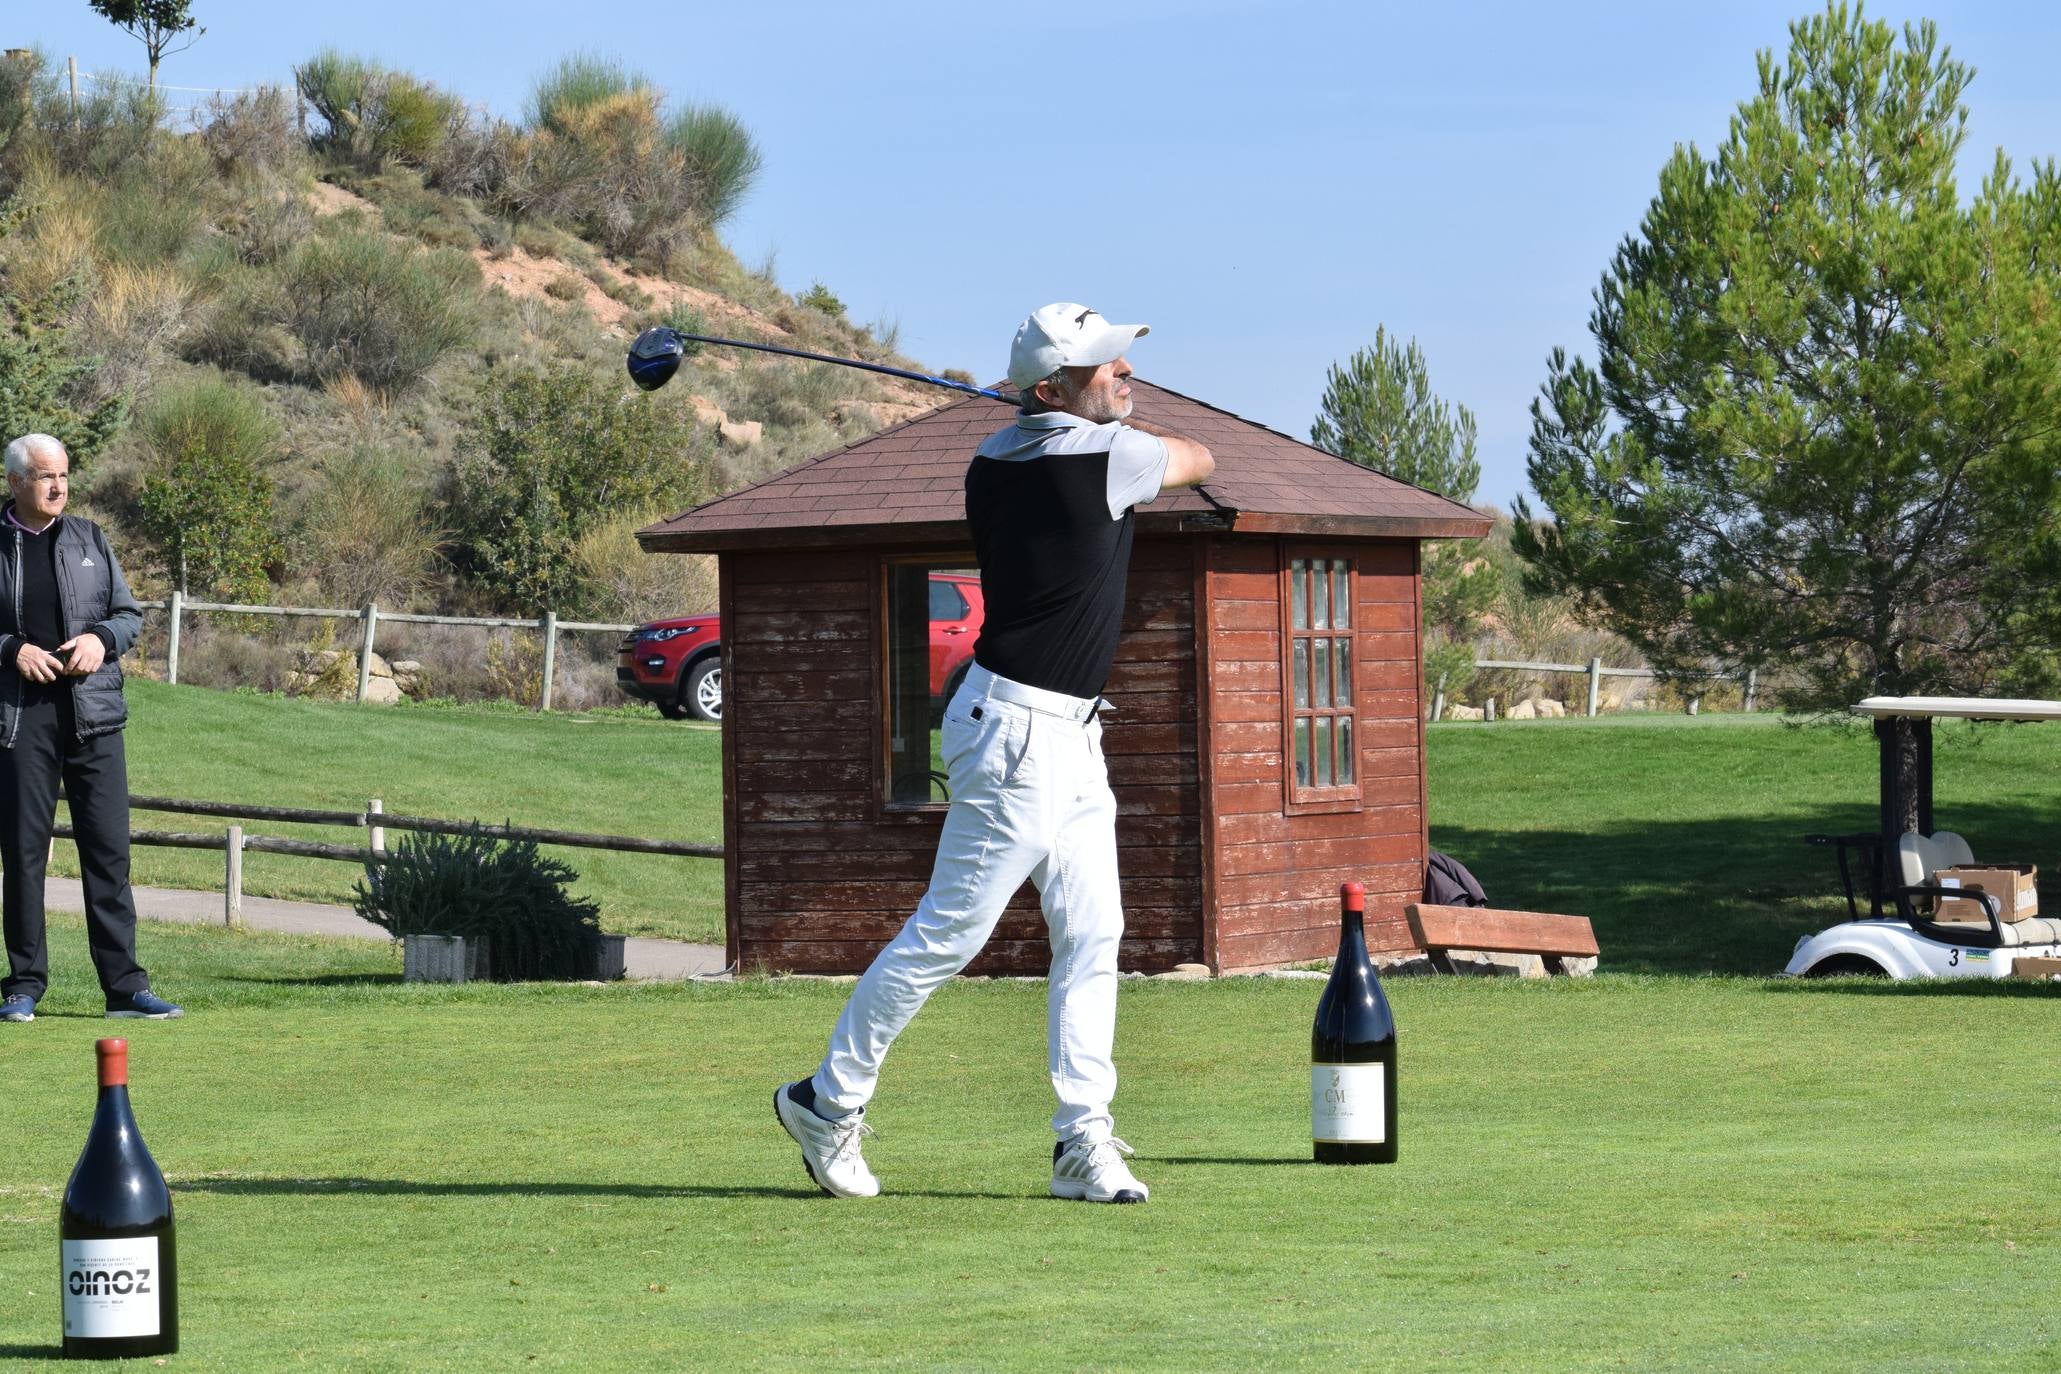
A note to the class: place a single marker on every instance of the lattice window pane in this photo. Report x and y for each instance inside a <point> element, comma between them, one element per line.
<point>1345,749</point>
<point>1322,733</point>
<point>1298,603</point>
<point>1299,650</point>
<point>1322,672</point>
<point>1302,751</point>
<point>1341,598</point>
<point>1342,664</point>
<point>1320,599</point>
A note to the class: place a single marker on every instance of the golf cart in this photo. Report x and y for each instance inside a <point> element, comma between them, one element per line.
<point>1910,930</point>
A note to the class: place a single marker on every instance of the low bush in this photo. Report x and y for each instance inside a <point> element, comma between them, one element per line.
<point>547,455</point>
<point>253,132</point>
<point>372,114</point>
<point>206,498</point>
<point>367,535</point>
<point>567,286</point>
<point>577,83</point>
<point>720,159</point>
<point>384,312</point>
<point>480,887</point>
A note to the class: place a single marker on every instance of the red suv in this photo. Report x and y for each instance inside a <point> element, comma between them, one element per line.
<point>677,665</point>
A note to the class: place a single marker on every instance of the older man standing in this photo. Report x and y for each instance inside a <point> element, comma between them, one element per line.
<point>66,616</point>
<point>1049,500</point>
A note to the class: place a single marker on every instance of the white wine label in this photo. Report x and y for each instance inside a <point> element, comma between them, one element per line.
<point>111,1287</point>
<point>1348,1104</point>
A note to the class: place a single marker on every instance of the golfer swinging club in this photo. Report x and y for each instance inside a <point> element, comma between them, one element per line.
<point>1049,498</point>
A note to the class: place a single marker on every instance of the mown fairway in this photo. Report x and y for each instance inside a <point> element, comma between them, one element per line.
<point>1653,1169</point>
<point>1626,1173</point>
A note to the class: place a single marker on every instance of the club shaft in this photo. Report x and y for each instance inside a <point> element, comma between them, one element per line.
<point>904,372</point>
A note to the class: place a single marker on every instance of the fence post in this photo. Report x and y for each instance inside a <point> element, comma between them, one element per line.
<point>1488,711</point>
<point>232,882</point>
<point>1438,699</point>
<point>1696,704</point>
<point>172,641</point>
<point>1595,683</point>
<point>1752,681</point>
<point>550,658</point>
<point>365,650</point>
<point>375,834</point>
<point>71,66</point>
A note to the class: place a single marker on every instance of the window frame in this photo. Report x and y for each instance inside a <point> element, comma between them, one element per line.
<point>1298,798</point>
<point>883,762</point>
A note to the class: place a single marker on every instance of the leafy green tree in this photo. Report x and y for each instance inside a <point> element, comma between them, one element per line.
<point>1822,431</point>
<point>156,24</point>
<point>547,455</point>
<point>1379,410</point>
<point>206,499</point>
<point>39,375</point>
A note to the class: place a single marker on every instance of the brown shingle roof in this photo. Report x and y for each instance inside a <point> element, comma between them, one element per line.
<point>907,483</point>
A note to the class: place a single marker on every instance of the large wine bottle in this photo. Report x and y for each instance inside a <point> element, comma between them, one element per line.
<point>1352,1052</point>
<point>120,1264</point>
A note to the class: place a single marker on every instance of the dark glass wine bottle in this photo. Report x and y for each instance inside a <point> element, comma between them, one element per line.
<point>1352,1052</point>
<point>120,1263</point>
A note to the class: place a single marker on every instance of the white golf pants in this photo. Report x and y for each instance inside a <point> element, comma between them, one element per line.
<point>1030,799</point>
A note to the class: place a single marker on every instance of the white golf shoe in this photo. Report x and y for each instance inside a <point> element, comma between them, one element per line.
<point>1084,1172</point>
<point>830,1149</point>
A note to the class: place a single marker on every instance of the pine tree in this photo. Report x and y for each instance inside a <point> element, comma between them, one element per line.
<point>1379,411</point>
<point>1822,432</point>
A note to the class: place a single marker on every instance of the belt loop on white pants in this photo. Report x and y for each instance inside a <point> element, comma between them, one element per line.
<point>983,683</point>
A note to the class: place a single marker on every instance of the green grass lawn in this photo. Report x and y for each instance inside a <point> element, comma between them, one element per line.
<point>1629,1172</point>
<point>609,773</point>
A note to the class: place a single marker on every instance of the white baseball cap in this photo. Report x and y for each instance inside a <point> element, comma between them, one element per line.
<point>1065,334</point>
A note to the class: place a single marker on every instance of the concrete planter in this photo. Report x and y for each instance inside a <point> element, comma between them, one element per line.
<point>609,958</point>
<point>443,959</point>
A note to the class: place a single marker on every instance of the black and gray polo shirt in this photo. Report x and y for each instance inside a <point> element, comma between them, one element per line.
<point>1050,501</point>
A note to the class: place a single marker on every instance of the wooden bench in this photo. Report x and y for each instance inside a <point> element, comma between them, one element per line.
<point>1484,928</point>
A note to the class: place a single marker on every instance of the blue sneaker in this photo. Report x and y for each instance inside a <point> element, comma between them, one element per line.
<point>20,1007</point>
<point>143,1004</point>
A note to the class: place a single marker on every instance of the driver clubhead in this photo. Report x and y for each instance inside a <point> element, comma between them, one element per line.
<point>656,356</point>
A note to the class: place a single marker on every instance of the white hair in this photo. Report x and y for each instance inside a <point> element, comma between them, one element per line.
<point>21,450</point>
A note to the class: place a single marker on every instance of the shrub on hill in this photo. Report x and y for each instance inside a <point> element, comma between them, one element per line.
<point>385,313</point>
<point>206,500</point>
<point>547,455</point>
<point>373,114</point>
<point>366,532</point>
<point>721,159</point>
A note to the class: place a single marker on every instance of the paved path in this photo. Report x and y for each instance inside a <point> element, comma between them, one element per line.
<point>642,958</point>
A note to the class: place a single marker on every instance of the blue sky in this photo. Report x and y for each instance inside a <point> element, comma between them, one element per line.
<point>1262,183</point>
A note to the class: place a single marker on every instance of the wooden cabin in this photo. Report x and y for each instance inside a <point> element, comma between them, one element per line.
<point>1266,742</point>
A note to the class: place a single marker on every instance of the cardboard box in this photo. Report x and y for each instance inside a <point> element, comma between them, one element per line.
<point>2038,968</point>
<point>2013,885</point>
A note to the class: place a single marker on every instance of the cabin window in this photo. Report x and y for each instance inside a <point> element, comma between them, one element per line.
<point>932,621</point>
<point>1320,712</point>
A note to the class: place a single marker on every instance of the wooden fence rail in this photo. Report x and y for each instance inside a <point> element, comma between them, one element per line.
<point>375,818</point>
<point>369,617</point>
<point>1595,672</point>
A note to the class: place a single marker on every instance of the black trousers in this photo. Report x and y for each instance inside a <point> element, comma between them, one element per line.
<point>95,774</point>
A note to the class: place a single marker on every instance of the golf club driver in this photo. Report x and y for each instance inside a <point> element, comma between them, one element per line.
<point>659,351</point>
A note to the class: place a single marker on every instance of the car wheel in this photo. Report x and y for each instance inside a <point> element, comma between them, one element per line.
<point>701,691</point>
<point>1846,966</point>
